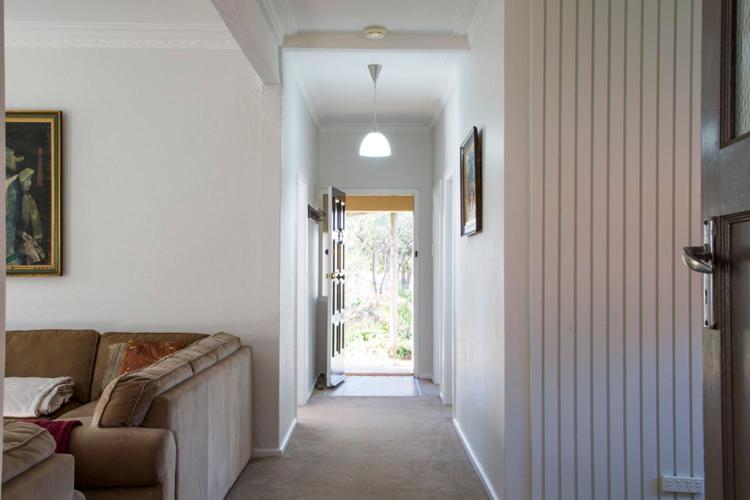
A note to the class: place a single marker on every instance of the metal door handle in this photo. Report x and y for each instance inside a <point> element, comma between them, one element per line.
<point>699,259</point>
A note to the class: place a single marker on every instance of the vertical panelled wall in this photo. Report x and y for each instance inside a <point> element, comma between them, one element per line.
<point>616,326</point>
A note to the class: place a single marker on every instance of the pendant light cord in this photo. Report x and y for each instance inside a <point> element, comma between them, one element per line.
<point>375,104</point>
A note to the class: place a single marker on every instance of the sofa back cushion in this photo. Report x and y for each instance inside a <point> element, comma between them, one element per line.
<point>53,353</point>
<point>110,338</point>
<point>208,351</point>
<point>127,399</point>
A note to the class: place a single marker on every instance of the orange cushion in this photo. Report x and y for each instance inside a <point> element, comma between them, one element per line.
<point>140,354</point>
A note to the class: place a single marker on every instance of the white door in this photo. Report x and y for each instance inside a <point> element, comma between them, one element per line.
<point>336,285</point>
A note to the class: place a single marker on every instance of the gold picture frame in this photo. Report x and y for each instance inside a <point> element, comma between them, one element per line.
<point>33,190</point>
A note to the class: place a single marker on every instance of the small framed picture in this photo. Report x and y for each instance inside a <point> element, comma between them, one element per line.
<point>33,219</point>
<point>471,184</point>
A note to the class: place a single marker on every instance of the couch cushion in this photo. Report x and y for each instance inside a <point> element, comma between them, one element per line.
<point>208,351</point>
<point>110,338</point>
<point>53,353</point>
<point>83,411</point>
<point>126,400</point>
<point>24,446</point>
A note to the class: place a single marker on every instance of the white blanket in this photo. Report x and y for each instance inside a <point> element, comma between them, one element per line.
<point>35,396</point>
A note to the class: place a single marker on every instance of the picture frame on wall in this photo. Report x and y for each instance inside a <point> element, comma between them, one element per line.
<point>33,189</point>
<point>471,184</point>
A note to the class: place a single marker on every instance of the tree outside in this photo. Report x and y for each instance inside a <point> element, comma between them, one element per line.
<point>379,292</point>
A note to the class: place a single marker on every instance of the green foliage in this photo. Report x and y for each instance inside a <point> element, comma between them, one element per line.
<point>403,352</point>
<point>368,249</point>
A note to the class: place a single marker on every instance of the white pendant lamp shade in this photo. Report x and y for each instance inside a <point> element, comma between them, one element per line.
<point>375,144</point>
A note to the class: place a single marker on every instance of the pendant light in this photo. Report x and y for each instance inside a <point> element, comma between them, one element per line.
<point>375,144</point>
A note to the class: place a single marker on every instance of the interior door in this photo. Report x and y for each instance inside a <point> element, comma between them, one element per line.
<point>725,258</point>
<point>336,285</point>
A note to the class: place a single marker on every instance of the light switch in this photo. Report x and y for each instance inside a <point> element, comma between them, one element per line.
<point>677,484</point>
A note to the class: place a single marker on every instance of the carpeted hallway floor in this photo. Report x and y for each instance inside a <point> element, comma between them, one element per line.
<point>366,448</point>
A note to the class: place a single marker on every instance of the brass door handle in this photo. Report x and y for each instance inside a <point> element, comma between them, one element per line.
<point>333,276</point>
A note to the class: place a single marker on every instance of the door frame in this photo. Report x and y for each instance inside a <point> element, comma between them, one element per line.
<point>302,287</point>
<point>448,293</point>
<point>437,282</point>
<point>417,275</point>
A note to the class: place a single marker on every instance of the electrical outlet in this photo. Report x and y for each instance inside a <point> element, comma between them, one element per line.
<point>677,484</point>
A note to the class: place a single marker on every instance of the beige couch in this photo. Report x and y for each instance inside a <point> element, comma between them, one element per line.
<point>31,468</point>
<point>180,428</point>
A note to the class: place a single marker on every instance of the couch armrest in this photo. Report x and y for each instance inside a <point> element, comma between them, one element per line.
<point>122,457</point>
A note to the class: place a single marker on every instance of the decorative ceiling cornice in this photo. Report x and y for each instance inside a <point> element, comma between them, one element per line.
<point>470,19</point>
<point>280,18</point>
<point>119,35</point>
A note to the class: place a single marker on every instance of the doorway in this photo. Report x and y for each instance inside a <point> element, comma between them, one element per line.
<point>380,243</point>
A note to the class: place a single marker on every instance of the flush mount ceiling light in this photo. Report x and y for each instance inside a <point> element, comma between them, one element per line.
<point>375,32</point>
<point>375,144</point>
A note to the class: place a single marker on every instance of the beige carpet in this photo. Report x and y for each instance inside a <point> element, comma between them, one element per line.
<point>366,448</point>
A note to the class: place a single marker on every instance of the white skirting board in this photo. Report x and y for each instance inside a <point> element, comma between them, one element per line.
<point>277,452</point>
<point>475,463</point>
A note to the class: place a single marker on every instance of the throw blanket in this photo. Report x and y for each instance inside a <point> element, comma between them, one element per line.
<point>60,430</point>
<point>33,396</point>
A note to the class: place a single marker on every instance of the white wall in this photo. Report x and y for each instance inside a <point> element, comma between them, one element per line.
<point>409,167</point>
<point>479,349</point>
<point>299,157</point>
<point>583,318</point>
<point>171,199</point>
<point>616,317</point>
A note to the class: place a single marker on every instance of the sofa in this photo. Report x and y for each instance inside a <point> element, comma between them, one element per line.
<point>31,468</point>
<point>178,429</point>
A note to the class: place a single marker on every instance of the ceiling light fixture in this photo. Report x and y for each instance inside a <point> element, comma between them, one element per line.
<point>375,32</point>
<point>375,144</point>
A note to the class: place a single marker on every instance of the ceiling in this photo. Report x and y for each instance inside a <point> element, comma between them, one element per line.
<point>336,83</point>
<point>338,87</point>
<point>353,15</point>
<point>334,80</point>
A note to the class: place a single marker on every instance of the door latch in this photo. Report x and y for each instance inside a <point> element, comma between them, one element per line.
<point>701,259</point>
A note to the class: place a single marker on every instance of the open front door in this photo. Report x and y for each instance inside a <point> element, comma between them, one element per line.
<point>725,256</point>
<point>335,281</point>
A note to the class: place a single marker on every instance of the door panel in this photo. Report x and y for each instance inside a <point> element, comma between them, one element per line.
<point>335,281</point>
<point>740,329</point>
<point>725,199</point>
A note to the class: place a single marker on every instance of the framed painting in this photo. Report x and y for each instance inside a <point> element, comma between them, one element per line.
<point>33,167</point>
<point>471,184</point>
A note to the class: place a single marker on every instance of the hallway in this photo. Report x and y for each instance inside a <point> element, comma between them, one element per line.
<point>367,448</point>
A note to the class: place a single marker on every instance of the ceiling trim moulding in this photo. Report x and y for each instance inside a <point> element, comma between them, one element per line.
<point>471,18</point>
<point>280,18</point>
<point>393,42</point>
<point>119,35</point>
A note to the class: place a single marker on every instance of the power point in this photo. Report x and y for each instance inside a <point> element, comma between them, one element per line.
<point>677,484</point>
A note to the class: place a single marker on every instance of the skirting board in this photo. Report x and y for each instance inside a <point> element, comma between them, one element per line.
<point>277,452</point>
<point>475,463</point>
